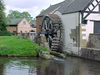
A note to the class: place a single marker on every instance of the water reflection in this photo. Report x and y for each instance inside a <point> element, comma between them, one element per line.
<point>38,66</point>
<point>77,66</point>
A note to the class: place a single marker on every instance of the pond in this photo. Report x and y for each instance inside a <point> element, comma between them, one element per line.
<point>57,66</point>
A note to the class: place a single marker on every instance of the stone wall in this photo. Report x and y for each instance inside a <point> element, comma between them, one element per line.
<point>94,41</point>
<point>30,35</point>
<point>90,53</point>
<point>41,41</point>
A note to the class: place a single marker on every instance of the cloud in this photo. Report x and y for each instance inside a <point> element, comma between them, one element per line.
<point>26,3</point>
<point>32,6</point>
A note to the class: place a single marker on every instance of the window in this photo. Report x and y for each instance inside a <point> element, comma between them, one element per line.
<point>20,31</point>
<point>24,22</point>
<point>14,32</point>
<point>96,27</point>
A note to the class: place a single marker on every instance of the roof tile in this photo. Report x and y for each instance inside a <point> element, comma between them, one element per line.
<point>14,21</point>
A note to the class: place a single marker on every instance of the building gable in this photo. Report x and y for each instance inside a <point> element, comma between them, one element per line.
<point>23,26</point>
<point>50,9</point>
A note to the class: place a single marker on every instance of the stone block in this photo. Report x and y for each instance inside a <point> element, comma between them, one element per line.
<point>90,53</point>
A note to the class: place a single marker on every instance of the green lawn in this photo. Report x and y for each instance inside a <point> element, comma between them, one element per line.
<point>15,46</point>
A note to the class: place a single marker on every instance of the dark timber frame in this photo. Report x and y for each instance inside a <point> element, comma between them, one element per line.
<point>84,21</point>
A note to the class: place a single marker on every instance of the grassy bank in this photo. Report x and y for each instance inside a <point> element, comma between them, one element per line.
<point>14,46</point>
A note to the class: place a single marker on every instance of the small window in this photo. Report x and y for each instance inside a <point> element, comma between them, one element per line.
<point>20,31</point>
<point>14,31</point>
<point>24,22</point>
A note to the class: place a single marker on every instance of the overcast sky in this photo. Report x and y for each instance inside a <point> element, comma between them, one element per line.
<point>32,6</point>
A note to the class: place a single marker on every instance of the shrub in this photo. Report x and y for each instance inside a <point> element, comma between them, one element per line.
<point>5,33</point>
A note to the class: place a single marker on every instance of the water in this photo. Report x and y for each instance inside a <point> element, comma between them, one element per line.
<point>58,66</point>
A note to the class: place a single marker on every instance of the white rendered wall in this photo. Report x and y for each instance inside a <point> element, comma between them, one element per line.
<point>70,21</point>
<point>89,29</point>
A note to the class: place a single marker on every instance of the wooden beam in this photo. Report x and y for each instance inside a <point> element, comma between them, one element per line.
<point>96,12</point>
<point>97,1</point>
<point>88,5</point>
<point>91,10</point>
<point>92,4</point>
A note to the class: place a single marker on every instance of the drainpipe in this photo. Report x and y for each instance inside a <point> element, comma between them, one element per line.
<point>78,33</point>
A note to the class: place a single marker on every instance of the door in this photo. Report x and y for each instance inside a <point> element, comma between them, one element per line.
<point>97,27</point>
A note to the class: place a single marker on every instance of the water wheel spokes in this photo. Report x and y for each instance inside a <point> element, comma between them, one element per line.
<point>52,28</point>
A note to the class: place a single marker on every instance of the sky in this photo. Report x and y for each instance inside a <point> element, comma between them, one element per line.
<point>32,6</point>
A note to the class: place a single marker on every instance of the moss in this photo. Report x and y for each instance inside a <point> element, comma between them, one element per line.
<point>95,53</point>
<point>58,54</point>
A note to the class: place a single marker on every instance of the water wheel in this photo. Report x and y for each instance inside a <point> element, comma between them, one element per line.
<point>51,27</point>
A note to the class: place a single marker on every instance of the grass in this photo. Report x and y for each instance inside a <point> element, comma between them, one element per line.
<point>13,45</point>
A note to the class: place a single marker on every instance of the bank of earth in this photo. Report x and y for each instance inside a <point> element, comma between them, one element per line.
<point>12,46</point>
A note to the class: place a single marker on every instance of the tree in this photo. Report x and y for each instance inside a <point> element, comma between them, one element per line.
<point>17,14</point>
<point>26,15</point>
<point>42,10</point>
<point>14,14</point>
<point>3,30</point>
<point>34,20</point>
<point>2,16</point>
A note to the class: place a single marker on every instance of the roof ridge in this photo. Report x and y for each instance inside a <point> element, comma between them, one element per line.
<point>16,18</point>
<point>69,4</point>
<point>50,9</point>
<point>57,3</point>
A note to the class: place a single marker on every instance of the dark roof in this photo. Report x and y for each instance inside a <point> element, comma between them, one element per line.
<point>50,9</point>
<point>33,24</point>
<point>70,6</point>
<point>14,21</point>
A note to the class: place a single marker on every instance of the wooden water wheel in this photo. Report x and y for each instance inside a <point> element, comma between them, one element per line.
<point>51,26</point>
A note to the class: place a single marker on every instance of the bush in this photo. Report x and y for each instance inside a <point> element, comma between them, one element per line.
<point>5,33</point>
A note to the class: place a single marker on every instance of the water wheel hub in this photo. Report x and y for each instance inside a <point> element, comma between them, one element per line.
<point>51,27</point>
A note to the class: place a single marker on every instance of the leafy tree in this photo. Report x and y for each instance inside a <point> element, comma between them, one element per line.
<point>3,30</point>
<point>2,16</point>
<point>26,15</point>
<point>17,14</point>
<point>14,14</point>
<point>34,20</point>
<point>42,10</point>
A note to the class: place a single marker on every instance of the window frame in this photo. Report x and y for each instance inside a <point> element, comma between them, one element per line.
<point>24,22</point>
